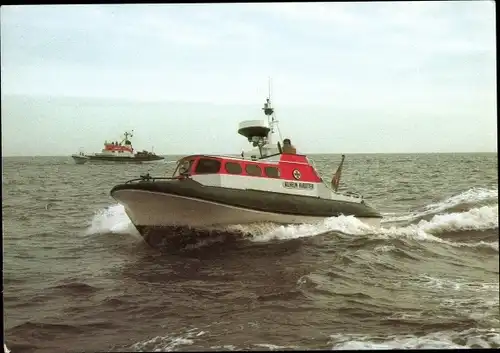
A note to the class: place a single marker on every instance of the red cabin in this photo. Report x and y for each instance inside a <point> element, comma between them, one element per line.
<point>287,167</point>
<point>117,148</point>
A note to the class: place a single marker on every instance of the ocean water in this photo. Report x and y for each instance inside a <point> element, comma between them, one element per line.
<point>78,277</point>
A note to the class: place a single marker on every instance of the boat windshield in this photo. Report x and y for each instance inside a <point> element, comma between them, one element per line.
<point>183,167</point>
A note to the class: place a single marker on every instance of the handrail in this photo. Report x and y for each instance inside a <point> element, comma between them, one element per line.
<point>149,178</point>
<point>269,156</point>
<point>353,194</point>
<point>311,162</point>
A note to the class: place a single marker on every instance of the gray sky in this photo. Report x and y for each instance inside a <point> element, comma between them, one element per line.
<point>347,77</point>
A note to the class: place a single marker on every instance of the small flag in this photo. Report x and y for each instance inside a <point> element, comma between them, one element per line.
<point>336,176</point>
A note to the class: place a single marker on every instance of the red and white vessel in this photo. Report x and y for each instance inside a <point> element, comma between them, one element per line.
<point>118,152</point>
<point>265,184</point>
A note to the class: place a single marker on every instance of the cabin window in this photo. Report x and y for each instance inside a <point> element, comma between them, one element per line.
<point>272,172</point>
<point>253,170</point>
<point>233,168</point>
<point>207,166</point>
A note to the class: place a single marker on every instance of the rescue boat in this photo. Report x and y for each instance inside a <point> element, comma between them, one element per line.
<point>265,184</point>
<point>117,152</point>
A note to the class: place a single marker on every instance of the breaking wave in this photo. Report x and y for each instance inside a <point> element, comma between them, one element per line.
<point>482,218</point>
<point>462,202</point>
<point>471,338</point>
<point>439,221</point>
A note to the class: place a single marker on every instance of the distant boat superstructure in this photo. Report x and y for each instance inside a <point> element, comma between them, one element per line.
<point>118,152</point>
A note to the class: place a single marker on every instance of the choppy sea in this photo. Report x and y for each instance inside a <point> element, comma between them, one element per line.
<point>78,278</point>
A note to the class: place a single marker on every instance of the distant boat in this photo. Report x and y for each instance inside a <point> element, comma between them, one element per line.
<point>117,152</point>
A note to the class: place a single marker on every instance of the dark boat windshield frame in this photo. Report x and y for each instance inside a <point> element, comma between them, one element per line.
<point>189,159</point>
<point>198,164</point>
<point>181,162</point>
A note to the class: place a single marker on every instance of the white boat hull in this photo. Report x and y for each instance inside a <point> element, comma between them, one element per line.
<point>79,159</point>
<point>154,209</point>
<point>123,161</point>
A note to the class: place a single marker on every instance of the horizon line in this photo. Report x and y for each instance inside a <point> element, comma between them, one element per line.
<point>313,153</point>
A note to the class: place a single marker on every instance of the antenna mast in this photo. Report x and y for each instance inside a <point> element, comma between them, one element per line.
<point>269,84</point>
<point>269,110</point>
<point>259,132</point>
